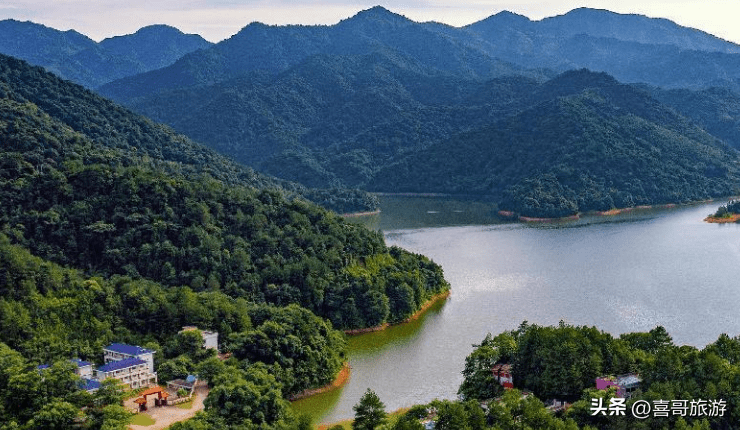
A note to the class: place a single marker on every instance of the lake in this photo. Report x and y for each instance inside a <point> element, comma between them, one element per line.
<point>621,273</point>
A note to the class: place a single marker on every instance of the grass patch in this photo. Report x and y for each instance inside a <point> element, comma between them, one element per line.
<point>185,405</point>
<point>142,420</point>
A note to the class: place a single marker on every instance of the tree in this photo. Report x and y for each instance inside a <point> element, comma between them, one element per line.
<point>114,417</point>
<point>253,395</point>
<point>209,369</point>
<point>111,392</point>
<point>369,413</point>
<point>479,381</point>
<point>451,416</point>
<point>55,415</point>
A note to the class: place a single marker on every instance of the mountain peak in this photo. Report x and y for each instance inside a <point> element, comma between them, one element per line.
<point>376,11</point>
<point>378,14</point>
<point>504,18</point>
<point>158,29</point>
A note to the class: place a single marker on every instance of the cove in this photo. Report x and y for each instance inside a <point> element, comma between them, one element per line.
<point>622,273</point>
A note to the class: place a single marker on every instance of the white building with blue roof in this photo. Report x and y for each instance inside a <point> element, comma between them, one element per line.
<point>132,371</point>
<point>130,364</point>
<point>121,351</point>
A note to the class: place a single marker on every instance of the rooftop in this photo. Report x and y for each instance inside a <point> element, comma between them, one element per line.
<point>80,363</point>
<point>629,380</point>
<point>126,349</point>
<point>89,384</point>
<point>122,364</point>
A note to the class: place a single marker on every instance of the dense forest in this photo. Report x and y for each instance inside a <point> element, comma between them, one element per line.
<point>591,144</point>
<point>113,126</point>
<point>563,362</point>
<point>119,211</point>
<point>49,313</point>
<point>108,230</point>
<point>579,141</point>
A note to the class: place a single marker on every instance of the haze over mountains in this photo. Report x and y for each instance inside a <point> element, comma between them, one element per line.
<point>385,103</point>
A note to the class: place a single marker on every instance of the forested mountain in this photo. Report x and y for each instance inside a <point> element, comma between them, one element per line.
<point>333,120</point>
<point>379,101</point>
<point>633,48</point>
<point>589,144</point>
<point>114,126</point>
<point>274,49</point>
<point>579,141</point>
<point>74,56</point>
<point>716,109</point>
<point>91,199</point>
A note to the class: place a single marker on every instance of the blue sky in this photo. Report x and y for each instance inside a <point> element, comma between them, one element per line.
<point>219,19</point>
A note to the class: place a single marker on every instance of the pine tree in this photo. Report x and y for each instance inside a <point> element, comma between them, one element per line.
<point>369,413</point>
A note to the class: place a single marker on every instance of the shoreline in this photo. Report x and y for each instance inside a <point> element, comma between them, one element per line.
<point>359,214</point>
<point>574,217</point>
<point>626,210</point>
<point>341,379</point>
<point>610,212</point>
<point>429,303</point>
<point>722,220</point>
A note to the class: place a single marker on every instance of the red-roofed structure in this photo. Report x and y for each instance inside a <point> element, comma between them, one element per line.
<point>502,372</point>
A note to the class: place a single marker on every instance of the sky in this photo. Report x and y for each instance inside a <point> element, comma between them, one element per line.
<point>216,20</point>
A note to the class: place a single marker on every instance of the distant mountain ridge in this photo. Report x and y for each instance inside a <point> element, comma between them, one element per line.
<point>74,56</point>
<point>603,23</point>
<point>632,48</point>
<point>274,49</point>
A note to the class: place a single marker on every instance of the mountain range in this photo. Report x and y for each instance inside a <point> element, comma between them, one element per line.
<point>494,109</point>
<point>631,48</point>
<point>76,57</point>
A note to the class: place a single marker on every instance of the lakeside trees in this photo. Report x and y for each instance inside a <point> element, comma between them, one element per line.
<point>369,412</point>
<point>562,362</point>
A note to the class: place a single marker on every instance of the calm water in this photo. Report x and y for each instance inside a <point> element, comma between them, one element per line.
<point>623,273</point>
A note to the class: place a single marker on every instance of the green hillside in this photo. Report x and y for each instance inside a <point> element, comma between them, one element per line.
<point>114,126</point>
<point>592,144</point>
<point>115,209</point>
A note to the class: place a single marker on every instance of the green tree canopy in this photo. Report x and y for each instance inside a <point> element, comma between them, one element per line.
<point>369,412</point>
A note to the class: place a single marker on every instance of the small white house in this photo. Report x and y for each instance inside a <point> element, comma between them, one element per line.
<point>84,368</point>
<point>210,338</point>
